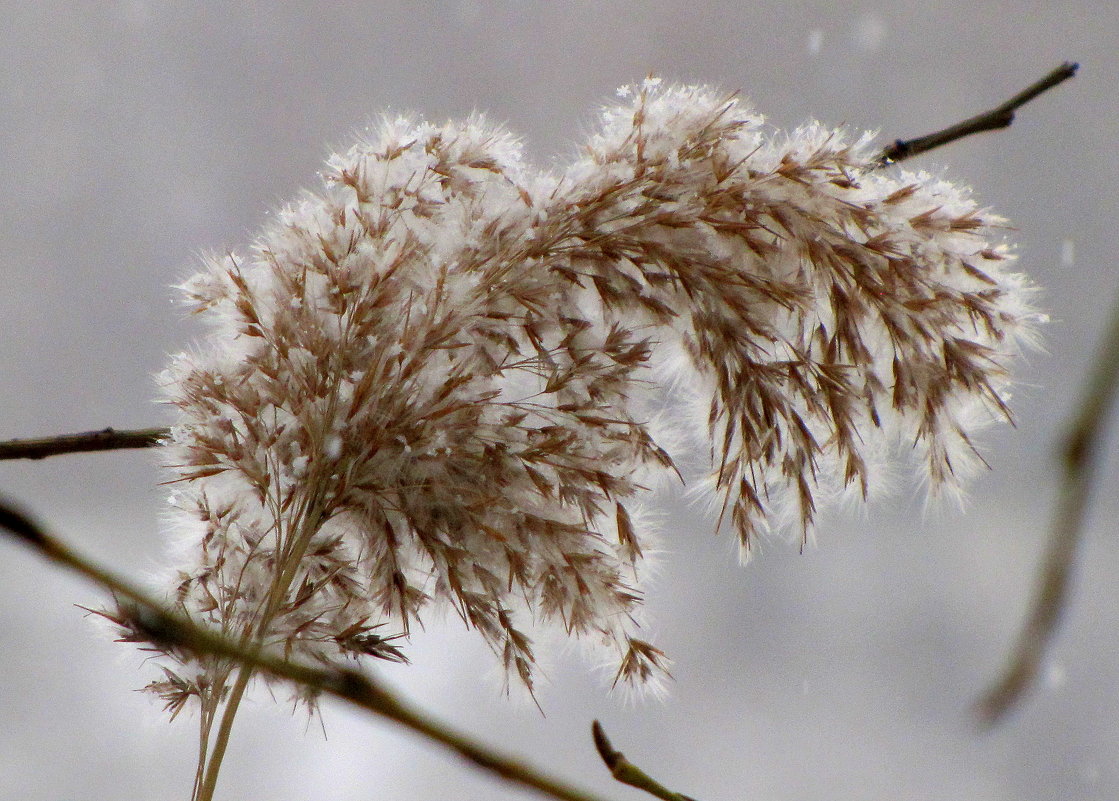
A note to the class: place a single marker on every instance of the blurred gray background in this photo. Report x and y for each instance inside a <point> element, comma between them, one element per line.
<point>137,134</point>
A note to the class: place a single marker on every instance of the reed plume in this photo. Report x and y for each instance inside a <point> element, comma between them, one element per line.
<point>434,381</point>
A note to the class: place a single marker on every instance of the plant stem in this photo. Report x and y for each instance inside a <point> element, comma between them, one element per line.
<point>205,792</point>
<point>311,519</point>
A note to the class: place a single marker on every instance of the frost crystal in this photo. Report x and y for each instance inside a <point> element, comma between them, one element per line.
<point>432,381</point>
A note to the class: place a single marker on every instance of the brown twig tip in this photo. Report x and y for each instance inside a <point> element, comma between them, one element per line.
<point>1003,697</point>
<point>1000,116</point>
<point>626,772</point>
<point>605,749</point>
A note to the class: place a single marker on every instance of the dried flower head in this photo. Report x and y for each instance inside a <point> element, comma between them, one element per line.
<point>432,381</point>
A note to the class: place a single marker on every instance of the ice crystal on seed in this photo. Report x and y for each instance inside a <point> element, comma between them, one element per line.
<point>429,382</point>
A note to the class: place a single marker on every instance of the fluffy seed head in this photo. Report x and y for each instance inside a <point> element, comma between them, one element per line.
<point>432,381</point>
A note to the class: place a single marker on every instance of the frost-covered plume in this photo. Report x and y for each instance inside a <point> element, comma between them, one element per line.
<point>431,382</point>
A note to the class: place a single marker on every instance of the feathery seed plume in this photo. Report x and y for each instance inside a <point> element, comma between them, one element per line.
<point>432,381</point>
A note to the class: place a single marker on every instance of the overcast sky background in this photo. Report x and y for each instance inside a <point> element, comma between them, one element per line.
<point>137,134</point>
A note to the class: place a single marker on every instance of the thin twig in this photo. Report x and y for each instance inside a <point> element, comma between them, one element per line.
<point>105,439</point>
<point>626,772</point>
<point>999,117</point>
<point>1079,462</point>
<point>353,686</point>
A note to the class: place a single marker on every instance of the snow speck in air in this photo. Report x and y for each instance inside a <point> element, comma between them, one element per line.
<point>868,33</point>
<point>815,41</point>
<point>1068,252</point>
<point>1055,676</point>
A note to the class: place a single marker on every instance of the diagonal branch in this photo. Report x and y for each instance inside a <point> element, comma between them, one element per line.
<point>352,686</point>
<point>998,117</point>
<point>1079,461</point>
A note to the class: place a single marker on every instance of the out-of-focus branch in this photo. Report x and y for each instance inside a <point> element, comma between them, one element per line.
<point>1079,462</point>
<point>105,439</point>
<point>353,686</point>
<point>998,117</point>
<point>626,772</point>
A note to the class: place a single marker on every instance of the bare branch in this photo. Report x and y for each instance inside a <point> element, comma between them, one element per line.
<point>1079,462</point>
<point>105,439</point>
<point>626,772</point>
<point>353,686</point>
<point>999,117</point>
